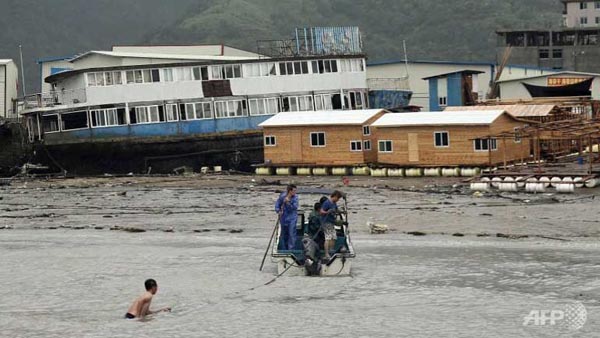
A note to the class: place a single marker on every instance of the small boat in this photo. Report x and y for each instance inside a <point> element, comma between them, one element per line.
<point>306,257</point>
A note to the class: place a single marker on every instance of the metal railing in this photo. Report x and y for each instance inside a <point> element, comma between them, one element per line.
<point>52,99</point>
<point>401,83</point>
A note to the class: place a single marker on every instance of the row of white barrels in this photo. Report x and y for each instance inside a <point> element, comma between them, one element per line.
<point>533,184</point>
<point>366,171</point>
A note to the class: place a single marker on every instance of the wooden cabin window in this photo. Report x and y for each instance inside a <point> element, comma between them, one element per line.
<point>385,146</point>
<point>356,146</point>
<point>366,130</point>
<point>517,135</point>
<point>317,139</point>
<point>367,145</point>
<point>441,139</point>
<point>485,144</point>
<point>270,141</point>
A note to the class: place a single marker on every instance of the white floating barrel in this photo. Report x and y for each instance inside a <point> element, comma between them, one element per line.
<point>395,172</point>
<point>565,188</point>
<point>480,186</point>
<point>264,171</point>
<point>320,171</point>
<point>535,187</point>
<point>509,179</point>
<point>512,187</point>
<point>533,180</point>
<point>467,172</point>
<point>361,171</point>
<point>567,180</point>
<point>496,182</point>
<point>432,172</point>
<point>555,181</point>
<point>414,172</point>
<point>339,171</point>
<point>284,171</point>
<point>591,183</point>
<point>545,181</point>
<point>578,182</point>
<point>485,179</point>
<point>218,169</point>
<point>379,172</point>
<point>451,172</point>
<point>304,171</point>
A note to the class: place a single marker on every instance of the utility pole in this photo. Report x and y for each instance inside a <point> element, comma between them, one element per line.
<point>22,70</point>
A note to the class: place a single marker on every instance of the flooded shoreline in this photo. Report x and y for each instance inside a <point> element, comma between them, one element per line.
<point>67,274</point>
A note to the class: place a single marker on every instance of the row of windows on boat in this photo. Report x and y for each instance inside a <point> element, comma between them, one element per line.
<point>202,110</point>
<point>222,72</point>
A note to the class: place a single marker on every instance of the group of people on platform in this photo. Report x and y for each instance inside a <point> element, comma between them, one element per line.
<point>320,222</point>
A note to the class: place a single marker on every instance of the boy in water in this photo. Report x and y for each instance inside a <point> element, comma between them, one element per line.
<point>141,306</point>
<point>328,213</point>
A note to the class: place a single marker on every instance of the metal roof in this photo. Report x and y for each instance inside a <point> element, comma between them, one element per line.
<point>162,56</point>
<point>444,118</point>
<point>516,110</point>
<point>460,63</point>
<point>464,71</point>
<point>321,118</point>
<point>550,74</point>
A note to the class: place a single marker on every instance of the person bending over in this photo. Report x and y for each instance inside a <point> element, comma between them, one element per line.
<point>328,214</point>
<point>141,306</point>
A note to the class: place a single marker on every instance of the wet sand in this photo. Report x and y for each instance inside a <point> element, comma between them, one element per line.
<point>65,273</point>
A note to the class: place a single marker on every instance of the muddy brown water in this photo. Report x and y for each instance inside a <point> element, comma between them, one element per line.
<point>65,274</point>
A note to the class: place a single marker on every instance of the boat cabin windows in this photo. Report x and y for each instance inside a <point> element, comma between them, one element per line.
<point>234,108</point>
<point>298,103</point>
<point>184,74</point>
<point>263,106</point>
<point>385,146</point>
<point>50,123</point>
<point>172,112</point>
<point>200,73</point>
<point>148,114</point>
<point>259,69</point>
<point>104,79</point>
<point>134,76</point>
<point>167,74</point>
<point>75,120</point>
<point>356,146</point>
<point>107,117</point>
<point>203,110</point>
<point>293,68</point>
<point>351,65</point>
<point>270,141</point>
<point>485,144</point>
<point>324,66</point>
<point>222,72</point>
<point>441,139</point>
<point>356,100</point>
<point>317,139</point>
<point>323,102</point>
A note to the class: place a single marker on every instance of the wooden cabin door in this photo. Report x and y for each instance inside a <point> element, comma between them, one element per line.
<point>296,147</point>
<point>413,147</point>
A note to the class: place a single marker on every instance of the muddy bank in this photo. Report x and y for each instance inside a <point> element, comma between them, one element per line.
<point>208,203</point>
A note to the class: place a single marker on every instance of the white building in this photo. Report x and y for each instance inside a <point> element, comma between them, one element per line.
<point>136,55</point>
<point>9,86</point>
<point>581,13</point>
<point>416,71</point>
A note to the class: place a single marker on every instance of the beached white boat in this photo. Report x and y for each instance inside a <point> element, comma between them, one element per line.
<point>305,258</point>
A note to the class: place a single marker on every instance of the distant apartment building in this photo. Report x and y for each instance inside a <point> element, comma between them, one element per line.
<point>573,47</point>
<point>581,13</point>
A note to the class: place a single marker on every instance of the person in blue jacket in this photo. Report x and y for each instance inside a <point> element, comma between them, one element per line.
<point>287,208</point>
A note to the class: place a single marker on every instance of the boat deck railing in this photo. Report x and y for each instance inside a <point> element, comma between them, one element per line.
<point>52,99</point>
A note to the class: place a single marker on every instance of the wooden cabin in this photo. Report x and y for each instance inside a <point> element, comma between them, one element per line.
<point>449,138</point>
<point>324,138</point>
<point>535,113</point>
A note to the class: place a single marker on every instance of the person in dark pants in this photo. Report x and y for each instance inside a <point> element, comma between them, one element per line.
<point>328,213</point>
<point>287,208</point>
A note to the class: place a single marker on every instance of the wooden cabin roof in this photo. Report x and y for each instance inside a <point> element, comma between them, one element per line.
<point>516,110</point>
<point>321,118</point>
<point>443,118</point>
